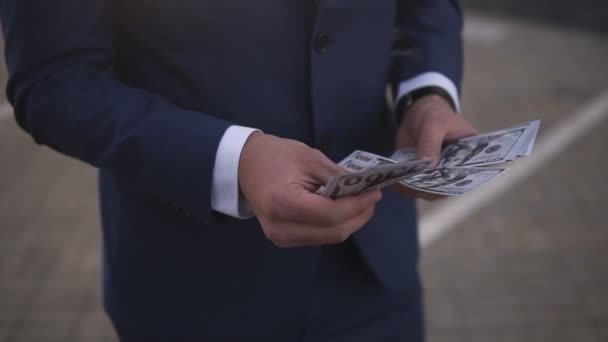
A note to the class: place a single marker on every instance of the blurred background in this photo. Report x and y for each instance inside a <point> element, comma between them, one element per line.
<point>527,261</point>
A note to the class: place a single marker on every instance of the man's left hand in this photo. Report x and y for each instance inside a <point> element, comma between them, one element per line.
<point>427,125</point>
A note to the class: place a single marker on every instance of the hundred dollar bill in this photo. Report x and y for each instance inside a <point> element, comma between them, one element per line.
<point>490,148</point>
<point>486,149</point>
<point>483,149</point>
<point>457,171</point>
<point>405,154</point>
<point>451,181</point>
<point>371,178</point>
<point>360,160</point>
<point>526,145</point>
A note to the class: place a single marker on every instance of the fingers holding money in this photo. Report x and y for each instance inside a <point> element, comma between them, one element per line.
<point>303,207</point>
<point>462,165</point>
<point>303,219</point>
<point>314,209</point>
<point>288,234</point>
<point>413,193</point>
<point>428,124</point>
<point>323,169</point>
<point>278,177</point>
<point>438,129</point>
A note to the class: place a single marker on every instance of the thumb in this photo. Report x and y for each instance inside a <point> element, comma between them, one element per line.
<point>429,145</point>
<point>321,168</point>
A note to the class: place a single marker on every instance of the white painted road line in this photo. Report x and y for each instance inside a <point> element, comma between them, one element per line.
<point>455,210</point>
<point>5,110</point>
<point>485,31</point>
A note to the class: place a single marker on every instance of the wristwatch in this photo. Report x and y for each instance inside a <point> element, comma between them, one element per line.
<point>409,99</point>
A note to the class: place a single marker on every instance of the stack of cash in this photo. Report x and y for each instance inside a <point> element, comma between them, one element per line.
<point>462,166</point>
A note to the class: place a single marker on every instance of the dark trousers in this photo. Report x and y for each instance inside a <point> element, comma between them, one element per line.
<point>347,304</point>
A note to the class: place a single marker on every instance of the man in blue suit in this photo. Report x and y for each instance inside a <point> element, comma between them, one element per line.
<point>212,123</point>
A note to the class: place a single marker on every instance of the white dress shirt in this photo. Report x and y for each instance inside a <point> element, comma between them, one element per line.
<point>225,195</point>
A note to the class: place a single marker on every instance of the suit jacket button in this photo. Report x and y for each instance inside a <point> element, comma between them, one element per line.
<point>322,41</point>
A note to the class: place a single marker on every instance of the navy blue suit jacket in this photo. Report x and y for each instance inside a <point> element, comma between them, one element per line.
<point>144,90</point>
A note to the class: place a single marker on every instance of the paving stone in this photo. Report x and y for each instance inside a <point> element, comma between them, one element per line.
<point>94,326</point>
<point>45,327</point>
<point>553,266</point>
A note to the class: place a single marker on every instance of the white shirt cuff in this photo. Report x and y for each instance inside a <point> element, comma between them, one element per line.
<point>225,194</point>
<point>429,79</point>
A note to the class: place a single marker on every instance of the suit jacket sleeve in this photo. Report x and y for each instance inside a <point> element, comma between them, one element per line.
<point>65,94</point>
<point>428,39</point>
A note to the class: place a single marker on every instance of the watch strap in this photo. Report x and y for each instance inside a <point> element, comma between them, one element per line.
<point>409,99</point>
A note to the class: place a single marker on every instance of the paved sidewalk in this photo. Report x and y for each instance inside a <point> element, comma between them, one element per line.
<point>530,266</point>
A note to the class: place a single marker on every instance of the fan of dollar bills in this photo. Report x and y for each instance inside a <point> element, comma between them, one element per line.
<point>461,168</point>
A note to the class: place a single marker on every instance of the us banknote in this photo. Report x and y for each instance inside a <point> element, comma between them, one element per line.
<point>365,176</point>
<point>485,149</point>
<point>368,171</point>
<point>452,181</point>
<point>458,171</point>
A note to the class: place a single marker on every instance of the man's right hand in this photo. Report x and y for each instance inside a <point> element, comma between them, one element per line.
<point>279,177</point>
